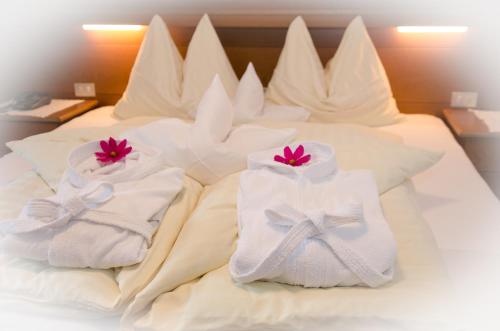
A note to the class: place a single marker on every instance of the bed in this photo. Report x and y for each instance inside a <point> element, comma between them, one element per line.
<point>445,219</point>
<point>465,238</point>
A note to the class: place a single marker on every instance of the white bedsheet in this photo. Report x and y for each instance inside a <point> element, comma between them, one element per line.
<point>464,216</point>
<point>456,202</point>
<point>461,210</point>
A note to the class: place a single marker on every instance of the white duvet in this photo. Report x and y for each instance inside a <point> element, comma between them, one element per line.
<point>178,299</point>
<point>80,291</point>
<point>198,235</point>
<point>199,294</point>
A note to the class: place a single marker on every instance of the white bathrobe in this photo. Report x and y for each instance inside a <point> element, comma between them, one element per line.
<point>101,216</point>
<point>312,225</point>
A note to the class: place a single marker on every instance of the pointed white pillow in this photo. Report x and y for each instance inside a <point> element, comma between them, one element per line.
<point>298,78</point>
<point>205,58</point>
<point>357,83</point>
<point>356,88</point>
<point>249,99</point>
<point>214,116</point>
<point>249,102</point>
<point>155,80</point>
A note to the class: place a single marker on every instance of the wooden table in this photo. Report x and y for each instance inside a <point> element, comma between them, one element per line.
<point>15,127</point>
<point>481,145</point>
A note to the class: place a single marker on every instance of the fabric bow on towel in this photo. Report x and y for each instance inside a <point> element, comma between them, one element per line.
<point>319,221</point>
<point>210,148</point>
<point>311,225</point>
<point>52,212</point>
<point>103,215</point>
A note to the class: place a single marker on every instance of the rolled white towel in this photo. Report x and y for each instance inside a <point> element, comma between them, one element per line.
<point>312,225</point>
<point>102,216</point>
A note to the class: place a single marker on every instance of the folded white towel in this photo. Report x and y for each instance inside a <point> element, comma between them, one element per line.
<point>209,149</point>
<point>101,216</point>
<point>312,225</point>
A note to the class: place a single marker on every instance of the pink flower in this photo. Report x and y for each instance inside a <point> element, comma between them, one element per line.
<point>294,159</point>
<point>112,151</point>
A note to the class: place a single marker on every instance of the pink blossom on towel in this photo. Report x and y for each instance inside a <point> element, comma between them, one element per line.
<point>295,159</point>
<point>112,151</point>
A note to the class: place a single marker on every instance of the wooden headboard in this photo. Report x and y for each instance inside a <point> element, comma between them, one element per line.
<point>423,69</point>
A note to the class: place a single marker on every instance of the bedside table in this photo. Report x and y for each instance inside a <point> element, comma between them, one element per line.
<point>15,127</point>
<point>481,145</point>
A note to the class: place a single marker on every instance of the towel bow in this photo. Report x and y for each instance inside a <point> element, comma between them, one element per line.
<point>284,215</point>
<point>309,224</point>
<point>45,213</point>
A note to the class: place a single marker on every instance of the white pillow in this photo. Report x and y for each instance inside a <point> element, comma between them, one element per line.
<point>162,84</point>
<point>249,99</point>
<point>249,102</point>
<point>214,118</point>
<point>154,86</point>
<point>354,88</point>
<point>205,58</point>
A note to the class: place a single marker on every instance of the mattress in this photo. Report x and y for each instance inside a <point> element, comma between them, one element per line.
<point>457,204</point>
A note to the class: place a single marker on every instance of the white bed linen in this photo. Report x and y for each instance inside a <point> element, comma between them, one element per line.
<point>464,216</point>
<point>459,207</point>
<point>12,167</point>
<point>452,194</point>
<point>461,210</point>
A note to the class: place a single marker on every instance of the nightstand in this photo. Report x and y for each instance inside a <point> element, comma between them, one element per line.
<point>15,127</point>
<point>481,145</point>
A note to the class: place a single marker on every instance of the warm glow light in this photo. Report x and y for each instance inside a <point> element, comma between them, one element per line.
<point>112,27</point>
<point>420,29</point>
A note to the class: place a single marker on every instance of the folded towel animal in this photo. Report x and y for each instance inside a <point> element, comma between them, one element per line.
<point>302,221</point>
<point>102,216</point>
<point>210,148</point>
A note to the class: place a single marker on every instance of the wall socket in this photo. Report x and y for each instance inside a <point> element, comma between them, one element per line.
<point>84,89</point>
<point>464,99</point>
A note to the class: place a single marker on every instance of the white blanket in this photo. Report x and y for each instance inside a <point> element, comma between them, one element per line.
<point>417,299</point>
<point>311,225</point>
<point>101,216</point>
<point>208,239</point>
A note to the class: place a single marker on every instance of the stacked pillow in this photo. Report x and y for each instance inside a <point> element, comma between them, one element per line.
<point>162,84</point>
<point>154,87</point>
<point>353,88</point>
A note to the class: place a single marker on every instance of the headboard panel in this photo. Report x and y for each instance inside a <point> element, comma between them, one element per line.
<point>423,69</point>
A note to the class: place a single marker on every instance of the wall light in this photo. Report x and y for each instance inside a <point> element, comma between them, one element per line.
<point>431,29</point>
<point>112,27</point>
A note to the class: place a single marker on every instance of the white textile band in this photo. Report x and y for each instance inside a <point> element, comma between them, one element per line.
<point>301,226</point>
<point>48,213</point>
